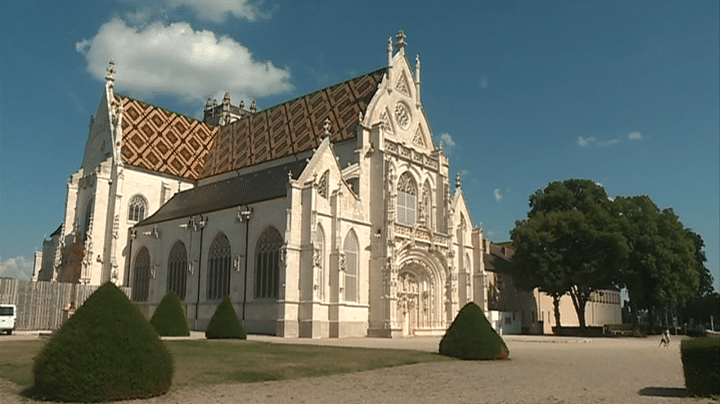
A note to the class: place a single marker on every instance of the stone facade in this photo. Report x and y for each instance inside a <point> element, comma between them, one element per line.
<point>332,215</point>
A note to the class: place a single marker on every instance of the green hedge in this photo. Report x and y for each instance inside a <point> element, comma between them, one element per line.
<point>106,351</point>
<point>169,317</point>
<point>701,365</point>
<point>471,336</point>
<point>225,323</point>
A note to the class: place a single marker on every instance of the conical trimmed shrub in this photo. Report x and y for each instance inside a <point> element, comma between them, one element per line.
<point>106,351</point>
<point>471,336</point>
<point>169,317</point>
<point>225,323</point>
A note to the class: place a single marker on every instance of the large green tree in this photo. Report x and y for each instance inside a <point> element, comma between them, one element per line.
<point>665,264</point>
<point>568,244</point>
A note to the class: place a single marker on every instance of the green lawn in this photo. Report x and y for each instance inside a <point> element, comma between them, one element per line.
<point>203,362</point>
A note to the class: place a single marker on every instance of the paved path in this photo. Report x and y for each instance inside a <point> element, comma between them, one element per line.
<point>541,370</point>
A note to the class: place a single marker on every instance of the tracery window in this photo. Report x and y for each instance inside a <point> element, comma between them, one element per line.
<point>177,269</point>
<point>267,263</point>
<point>351,267</point>
<point>141,276</point>
<point>406,199</point>
<point>323,184</point>
<point>218,277</point>
<point>137,209</point>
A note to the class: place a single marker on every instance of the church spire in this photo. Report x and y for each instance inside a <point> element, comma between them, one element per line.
<point>400,41</point>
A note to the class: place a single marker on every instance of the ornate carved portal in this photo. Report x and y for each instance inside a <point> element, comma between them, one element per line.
<point>416,300</point>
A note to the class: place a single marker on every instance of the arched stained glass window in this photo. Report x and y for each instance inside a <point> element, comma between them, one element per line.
<point>137,208</point>
<point>267,264</point>
<point>351,267</point>
<point>218,277</point>
<point>177,269</point>
<point>406,199</point>
<point>141,276</point>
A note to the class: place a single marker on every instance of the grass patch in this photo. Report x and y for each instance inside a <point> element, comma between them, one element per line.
<point>207,362</point>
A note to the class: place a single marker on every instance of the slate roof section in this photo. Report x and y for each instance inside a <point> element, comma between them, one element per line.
<point>294,126</point>
<point>499,259</point>
<point>248,188</point>
<point>164,141</point>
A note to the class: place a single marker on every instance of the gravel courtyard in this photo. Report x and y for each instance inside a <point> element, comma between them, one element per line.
<point>541,370</point>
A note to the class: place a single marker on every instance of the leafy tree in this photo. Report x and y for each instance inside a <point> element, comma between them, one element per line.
<point>665,263</point>
<point>568,243</point>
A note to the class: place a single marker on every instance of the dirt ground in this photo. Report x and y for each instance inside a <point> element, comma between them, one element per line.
<point>541,370</point>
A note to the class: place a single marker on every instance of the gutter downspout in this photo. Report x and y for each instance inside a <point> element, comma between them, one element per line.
<point>197,302</point>
<point>245,215</point>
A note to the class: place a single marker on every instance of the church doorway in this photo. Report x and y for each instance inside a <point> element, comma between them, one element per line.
<point>415,311</point>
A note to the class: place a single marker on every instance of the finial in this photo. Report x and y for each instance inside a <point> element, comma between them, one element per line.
<point>360,117</point>
<point>253,107</point>
<point>208,104</point>
<point>326,126</point>
<point>458,183</point>
<point>242,105</point>
<point>390,50</point>
<point>401,41</point>
<point>226,98</point>
<point>110,71</point>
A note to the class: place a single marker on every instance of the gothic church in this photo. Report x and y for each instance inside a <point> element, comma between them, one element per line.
<point>329,215</point>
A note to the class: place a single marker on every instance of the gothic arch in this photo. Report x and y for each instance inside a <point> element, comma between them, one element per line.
<point>407,199</point>
<point>137,208</point>
<point>267,263</point>
<point>177,266</point>
<point>218,264</point>
<point>420,292</point>
<point>319,262</point>
<point>351,253</point>
<point>141,276</point>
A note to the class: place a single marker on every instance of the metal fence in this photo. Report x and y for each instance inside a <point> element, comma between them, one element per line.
<point>42,305</point>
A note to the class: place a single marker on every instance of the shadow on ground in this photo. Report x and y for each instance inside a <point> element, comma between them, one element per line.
<point>663,392</point>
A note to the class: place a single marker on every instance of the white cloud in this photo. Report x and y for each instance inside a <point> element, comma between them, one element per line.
<point>448,142</point>
<point>211,10</point>
<point>635,135</point>
<point>177,60</point>
<point>19,268</point>
<point>498,194</point>
<point>585,141</point>
<point>610,142</point>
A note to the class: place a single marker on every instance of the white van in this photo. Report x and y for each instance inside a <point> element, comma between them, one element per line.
<point>8,313</point>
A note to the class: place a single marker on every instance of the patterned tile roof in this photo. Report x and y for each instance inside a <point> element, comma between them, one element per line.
<point>292,127</point>
<point>164,141</point>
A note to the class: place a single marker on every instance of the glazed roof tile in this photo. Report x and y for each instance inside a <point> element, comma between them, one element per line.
<point>164,141</point>
<point>293,126</point>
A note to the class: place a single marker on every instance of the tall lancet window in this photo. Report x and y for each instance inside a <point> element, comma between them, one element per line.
<point>137,209</point>
<point>351,267</point>
<point>141,276</point>
<point>177,269</point>
<point>406,199</point>
<point>319,262</point>
<point>267,264</point>
<point>218,277</point>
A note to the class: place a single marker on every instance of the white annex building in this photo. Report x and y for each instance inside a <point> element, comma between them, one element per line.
<point>330,215</point>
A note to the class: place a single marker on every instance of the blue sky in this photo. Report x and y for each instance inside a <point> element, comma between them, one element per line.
<point>522,92</point>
